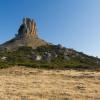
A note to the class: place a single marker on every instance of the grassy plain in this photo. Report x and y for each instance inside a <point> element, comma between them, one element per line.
<point>22,83</point>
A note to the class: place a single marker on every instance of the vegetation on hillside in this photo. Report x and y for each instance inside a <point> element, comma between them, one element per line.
<point>50,56</point>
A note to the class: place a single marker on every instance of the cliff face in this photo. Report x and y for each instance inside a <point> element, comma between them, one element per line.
<point>27,29</point>
<point>26,36</point>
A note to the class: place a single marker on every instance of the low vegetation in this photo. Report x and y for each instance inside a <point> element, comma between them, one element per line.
<point>50,56</point>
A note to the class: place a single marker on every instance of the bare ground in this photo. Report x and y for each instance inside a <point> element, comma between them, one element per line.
<point>21,83</point>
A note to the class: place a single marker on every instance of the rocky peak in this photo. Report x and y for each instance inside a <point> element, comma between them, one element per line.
<point>26,36</point>
<point>27,29</point>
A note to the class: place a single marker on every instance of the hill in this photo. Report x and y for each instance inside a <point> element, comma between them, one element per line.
<point>26,36</point>
<point>50,57</point>
<point>28,49</point>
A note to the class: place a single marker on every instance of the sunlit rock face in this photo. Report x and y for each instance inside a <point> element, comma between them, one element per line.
<point>26,36</point>
<point>27,29</point>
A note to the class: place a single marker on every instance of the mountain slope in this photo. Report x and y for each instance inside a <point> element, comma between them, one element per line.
<point>29,50</point>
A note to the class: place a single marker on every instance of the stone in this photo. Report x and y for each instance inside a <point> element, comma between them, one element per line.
<point>38,58</point>
<point>3,58</point>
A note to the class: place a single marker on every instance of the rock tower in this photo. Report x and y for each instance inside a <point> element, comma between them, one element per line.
<point>27,29</point>
<point>26,36</point>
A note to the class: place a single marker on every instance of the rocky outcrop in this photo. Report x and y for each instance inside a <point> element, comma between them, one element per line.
<point>26,36</point>
<point>27,29</point>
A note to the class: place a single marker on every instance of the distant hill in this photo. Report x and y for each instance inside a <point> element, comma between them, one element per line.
<point>28,49</point>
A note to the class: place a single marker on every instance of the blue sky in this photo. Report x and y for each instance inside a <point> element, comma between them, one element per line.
<point>72,23</point>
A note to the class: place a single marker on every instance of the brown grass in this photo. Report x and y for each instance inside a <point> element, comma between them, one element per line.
<point>20,83</point>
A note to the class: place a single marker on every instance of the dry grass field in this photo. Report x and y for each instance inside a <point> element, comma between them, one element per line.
<point>21,83</point>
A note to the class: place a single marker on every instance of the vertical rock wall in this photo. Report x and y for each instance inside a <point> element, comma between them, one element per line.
<point>27,28</point>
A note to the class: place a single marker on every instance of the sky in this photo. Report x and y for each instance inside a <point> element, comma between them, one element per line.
<point>72,23</point>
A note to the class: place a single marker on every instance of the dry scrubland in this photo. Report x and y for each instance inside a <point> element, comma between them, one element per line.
<point>20,83</point>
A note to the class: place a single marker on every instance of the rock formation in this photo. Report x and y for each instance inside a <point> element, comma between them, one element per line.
<point>26,36</point>
<point>27,29</point>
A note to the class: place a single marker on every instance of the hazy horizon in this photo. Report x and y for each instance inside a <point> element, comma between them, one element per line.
<point>72,23</point>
